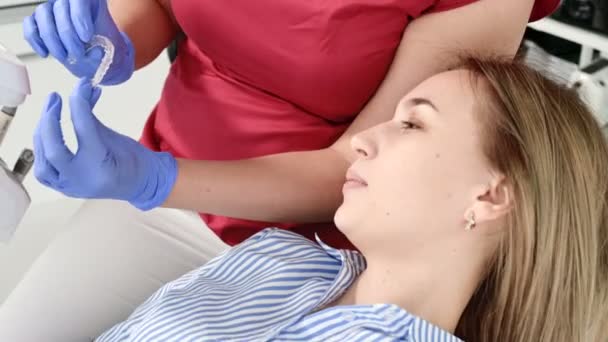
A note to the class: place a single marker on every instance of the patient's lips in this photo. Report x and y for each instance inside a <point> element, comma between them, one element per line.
<point>353,180</point>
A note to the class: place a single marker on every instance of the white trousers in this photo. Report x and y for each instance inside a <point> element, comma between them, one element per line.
<point>109,260</point>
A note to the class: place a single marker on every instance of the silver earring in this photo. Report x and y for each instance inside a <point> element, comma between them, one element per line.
<point>471,221</point>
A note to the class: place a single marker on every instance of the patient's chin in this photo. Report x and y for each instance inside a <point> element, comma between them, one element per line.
<point>345,219</point>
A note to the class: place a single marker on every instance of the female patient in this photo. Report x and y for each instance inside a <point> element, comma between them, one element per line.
<point>481,210</point>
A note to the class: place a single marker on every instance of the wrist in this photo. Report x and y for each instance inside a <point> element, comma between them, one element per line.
<point>161,170</point>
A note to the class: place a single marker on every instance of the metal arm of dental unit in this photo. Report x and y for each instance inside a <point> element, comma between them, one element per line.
<point>14,198</point>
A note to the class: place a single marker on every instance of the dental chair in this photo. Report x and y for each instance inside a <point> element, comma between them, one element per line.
<point>42,222</point>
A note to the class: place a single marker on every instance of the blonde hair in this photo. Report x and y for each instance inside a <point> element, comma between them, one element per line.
<point>549,278</point>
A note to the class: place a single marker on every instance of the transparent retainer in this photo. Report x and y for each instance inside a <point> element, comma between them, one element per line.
<point>106,61</point>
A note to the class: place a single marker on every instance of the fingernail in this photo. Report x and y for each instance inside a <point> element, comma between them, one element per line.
<point>96,92</point>
<point>51,101</point>
<point>86,30</point>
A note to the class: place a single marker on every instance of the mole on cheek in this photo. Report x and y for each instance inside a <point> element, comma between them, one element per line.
<point>388,213</point>
<point>437,155</point>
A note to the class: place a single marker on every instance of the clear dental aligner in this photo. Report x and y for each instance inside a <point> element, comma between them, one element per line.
<point>106,61</point>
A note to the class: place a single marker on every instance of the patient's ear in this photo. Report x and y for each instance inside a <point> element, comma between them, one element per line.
<point>492,201</point>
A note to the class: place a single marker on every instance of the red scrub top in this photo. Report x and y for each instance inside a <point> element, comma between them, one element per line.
<point>261,77</point>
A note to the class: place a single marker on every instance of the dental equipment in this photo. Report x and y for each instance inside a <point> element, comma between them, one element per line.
<point>14,198</point>
<point>591,83</point>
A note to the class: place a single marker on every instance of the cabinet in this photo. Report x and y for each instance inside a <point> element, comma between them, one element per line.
<point>590,41</point>
<point>594,46</point>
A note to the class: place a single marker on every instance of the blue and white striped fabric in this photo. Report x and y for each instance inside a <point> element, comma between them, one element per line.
<point>271,287</point>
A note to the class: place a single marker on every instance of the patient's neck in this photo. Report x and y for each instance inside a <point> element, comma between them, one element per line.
<point>435,285</point>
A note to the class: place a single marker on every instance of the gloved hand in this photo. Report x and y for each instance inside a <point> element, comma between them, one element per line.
<point>106,165</point>
<point>63,27</point>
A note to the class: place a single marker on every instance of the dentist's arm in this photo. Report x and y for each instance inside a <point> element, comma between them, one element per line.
<point>149,24</point>
<point>306,186</point>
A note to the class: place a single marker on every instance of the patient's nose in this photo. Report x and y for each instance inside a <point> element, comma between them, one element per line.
<point>363,145</point>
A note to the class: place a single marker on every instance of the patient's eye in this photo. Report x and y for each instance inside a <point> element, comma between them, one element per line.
<point>407,125</point>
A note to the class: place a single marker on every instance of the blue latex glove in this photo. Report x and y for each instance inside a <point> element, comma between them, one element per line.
<point>106,165</point>
<point>62,28</point>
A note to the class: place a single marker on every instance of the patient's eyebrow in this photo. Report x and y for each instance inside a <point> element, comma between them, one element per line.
<point>415,101</point>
